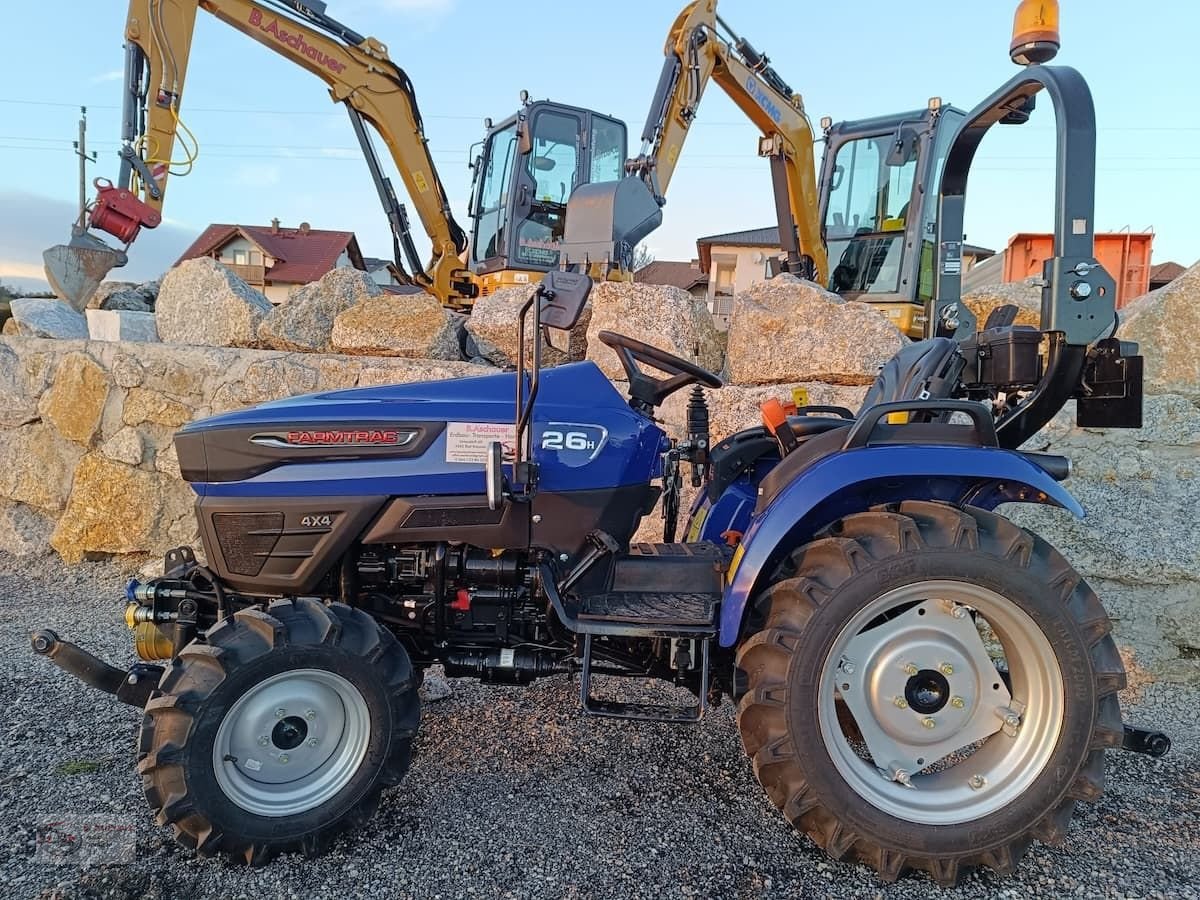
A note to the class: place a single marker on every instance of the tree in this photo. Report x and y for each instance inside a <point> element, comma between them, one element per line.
<point>6,292</point>
<point>642,257</point>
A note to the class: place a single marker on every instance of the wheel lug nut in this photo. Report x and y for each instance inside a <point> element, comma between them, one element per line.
<point>312,742</point>
<point>900,702</point>
<point>957,702</point>
<point>848,668</point>
<point>263,740</point>
<point>910,669</point>
<point>946,669</point>
<point>280,713</point>
<point>283,758</point>
<point>977,782</point>
<point>310,714</point>
<point>928,722</point>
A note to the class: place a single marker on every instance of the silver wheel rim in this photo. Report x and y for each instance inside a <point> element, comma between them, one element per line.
<point>291,742</point>
<point>986,744</point>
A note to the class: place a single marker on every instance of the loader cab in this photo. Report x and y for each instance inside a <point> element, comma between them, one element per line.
<point>878,195</point>
<point>525,173</point>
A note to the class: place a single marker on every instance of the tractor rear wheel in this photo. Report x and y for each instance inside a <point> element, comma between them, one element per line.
<point>279,731</point>
<point>978,669</point>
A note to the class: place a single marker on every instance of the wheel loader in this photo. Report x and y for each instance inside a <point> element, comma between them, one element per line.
<point>920,682</point>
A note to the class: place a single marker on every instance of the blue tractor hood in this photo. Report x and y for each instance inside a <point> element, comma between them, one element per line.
<point>422,428</point>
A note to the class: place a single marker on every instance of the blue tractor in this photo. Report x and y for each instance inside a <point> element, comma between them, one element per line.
<point>920,683</point>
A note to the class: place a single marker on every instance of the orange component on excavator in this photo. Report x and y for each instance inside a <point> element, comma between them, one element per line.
<point>120,213</point>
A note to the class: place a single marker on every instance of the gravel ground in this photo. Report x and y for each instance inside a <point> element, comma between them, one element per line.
<point>514,794</point>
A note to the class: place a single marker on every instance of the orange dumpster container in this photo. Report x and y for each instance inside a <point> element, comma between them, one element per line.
<point>1124,254</point>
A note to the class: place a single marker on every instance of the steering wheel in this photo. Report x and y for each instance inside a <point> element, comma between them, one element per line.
<point>645,392</point>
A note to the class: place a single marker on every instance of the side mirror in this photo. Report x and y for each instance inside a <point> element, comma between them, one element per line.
<point>903,149</point>
<point>563,295</point>
<point>494,475</point>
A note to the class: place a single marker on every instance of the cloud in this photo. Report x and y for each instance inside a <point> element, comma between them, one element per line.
<point>31,223</point>
<point>111,75</point>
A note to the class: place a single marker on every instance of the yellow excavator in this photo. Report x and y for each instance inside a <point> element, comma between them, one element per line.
<point>872,210</point>
<point>534,160</point>
<point>867,229</point>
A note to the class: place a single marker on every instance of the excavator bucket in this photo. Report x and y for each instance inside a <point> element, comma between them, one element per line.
<point>76,269</point>
<point>606,220</point>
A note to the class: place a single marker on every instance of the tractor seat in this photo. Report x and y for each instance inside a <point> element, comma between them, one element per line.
<point>918,371</point>
<point>922,370</point>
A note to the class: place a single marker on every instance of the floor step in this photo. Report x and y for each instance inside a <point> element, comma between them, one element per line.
<point>651,614</point>
<point>644,712</point>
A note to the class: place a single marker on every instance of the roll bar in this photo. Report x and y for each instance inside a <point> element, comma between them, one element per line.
<point>1078,295</point>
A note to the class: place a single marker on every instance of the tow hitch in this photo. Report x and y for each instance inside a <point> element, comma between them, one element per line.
<point>132,686</point>
<point>1143,740</point>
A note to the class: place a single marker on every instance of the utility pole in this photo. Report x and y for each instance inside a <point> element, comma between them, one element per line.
<point>84,159</point>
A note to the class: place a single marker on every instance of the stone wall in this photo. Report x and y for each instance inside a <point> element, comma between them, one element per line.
<point>86,432</point>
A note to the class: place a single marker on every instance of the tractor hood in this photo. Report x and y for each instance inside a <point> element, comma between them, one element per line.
<point>441,424</point>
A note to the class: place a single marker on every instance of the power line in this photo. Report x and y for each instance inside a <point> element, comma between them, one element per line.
<point>242,110</point>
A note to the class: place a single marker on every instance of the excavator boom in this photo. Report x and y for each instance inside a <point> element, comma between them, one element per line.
<point>155,144</point>
<point>700,48</point>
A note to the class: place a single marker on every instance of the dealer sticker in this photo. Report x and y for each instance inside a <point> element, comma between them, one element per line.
<point>468,442</point>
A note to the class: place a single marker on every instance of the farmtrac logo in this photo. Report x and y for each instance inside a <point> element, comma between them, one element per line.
<point>337,438</point>
<point>296,42</point>
<point>763,99</point>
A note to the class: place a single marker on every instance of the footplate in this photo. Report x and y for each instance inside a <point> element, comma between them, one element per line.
<point>643,712</point>
<point>645,614</point>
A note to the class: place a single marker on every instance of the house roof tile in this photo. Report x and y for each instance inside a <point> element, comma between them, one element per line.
<point>301,254</point>
<point>684,275</point>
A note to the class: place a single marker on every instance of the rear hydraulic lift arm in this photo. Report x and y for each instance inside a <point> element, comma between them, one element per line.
<point>359,75</point>
<point>695,53</point>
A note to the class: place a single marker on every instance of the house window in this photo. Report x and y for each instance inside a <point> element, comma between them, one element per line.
<point>256,258</point>
<point>241,258</point>
<point>723,285</point>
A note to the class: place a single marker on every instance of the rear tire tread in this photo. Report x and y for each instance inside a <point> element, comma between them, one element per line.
<point>803,582</point>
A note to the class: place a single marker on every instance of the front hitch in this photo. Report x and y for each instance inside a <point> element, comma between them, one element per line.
<point>133,686</point>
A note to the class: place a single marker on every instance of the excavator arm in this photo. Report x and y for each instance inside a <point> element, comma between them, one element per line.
<point>696,52</point>
<point>358,73</point>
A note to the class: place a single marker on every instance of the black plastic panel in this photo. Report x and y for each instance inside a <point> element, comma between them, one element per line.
<point>314,534</point>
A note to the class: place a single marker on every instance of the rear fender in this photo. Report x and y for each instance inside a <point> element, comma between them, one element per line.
<point>856,480</point>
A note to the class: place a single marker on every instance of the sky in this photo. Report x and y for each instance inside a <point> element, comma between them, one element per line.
<point>273,145</point>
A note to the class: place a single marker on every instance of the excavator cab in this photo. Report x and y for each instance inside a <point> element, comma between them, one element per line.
<point>527,170</point>
<point>878,188</point>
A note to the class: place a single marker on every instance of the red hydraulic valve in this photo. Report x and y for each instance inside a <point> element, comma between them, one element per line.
<point>121,214</point>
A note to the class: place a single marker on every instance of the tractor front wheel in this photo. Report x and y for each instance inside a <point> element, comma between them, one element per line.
<point>278,731</point>
<point>933,688</point>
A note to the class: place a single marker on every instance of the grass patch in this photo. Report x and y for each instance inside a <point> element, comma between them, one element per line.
<point>80,767</point>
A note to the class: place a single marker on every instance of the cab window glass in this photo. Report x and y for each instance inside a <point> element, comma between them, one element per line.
<point>554,165</point>
<point>608,150</point>
<point>493,199</point>
<point>554,161</point>
<point>866,217</point>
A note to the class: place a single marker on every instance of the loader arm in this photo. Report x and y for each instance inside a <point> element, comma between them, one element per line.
<point>358,73</point>
<point>695,54</point>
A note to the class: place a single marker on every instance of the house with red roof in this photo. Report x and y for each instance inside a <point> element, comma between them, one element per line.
<point>275,259</point>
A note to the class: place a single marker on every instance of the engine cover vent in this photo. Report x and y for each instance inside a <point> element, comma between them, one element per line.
<point>247,539</point>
